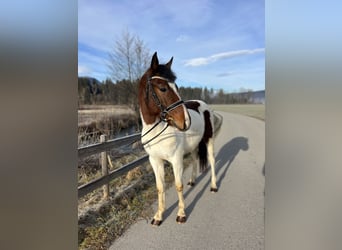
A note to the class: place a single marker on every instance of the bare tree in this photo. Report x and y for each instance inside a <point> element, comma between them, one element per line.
<point>143,57</point>
<point>129,58</point>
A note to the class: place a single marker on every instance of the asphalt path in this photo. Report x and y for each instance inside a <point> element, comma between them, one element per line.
<point>232,218</point>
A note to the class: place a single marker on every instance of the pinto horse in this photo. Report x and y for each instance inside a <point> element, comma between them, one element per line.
<point>172,128</point>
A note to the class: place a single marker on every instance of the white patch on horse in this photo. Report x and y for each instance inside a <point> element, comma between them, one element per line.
<point>163,141</point>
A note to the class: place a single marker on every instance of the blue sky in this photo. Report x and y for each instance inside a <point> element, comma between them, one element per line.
<point>215,44</point>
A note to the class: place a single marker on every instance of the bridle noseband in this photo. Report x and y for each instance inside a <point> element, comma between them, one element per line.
<point>164,111</point>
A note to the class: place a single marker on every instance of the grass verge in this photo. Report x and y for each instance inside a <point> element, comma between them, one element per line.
<point>99,227</point>
<point>252,110</point>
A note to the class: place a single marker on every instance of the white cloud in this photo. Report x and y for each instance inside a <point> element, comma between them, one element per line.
<point>213,58</point>
<point>84,70</point>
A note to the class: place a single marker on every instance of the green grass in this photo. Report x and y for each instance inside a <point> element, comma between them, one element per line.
<point>252,110</point>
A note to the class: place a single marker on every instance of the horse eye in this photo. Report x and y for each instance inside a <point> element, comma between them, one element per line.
<point>163,89</point>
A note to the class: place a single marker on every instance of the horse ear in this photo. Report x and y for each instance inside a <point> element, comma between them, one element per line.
<point>169,63</point>
<point>154,61</point>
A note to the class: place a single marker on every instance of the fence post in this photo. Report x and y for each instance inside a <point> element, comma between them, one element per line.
<point>104,168</point>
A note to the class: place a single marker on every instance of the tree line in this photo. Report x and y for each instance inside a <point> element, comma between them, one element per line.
<point>125,92</point>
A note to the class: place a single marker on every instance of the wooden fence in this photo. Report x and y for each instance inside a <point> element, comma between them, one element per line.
<point>104,146</point>
<point>106,177</point>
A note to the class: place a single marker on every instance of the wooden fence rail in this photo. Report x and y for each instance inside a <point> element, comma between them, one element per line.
<point>107,145</point>
<point>104,146</point>
<point>90,186</point>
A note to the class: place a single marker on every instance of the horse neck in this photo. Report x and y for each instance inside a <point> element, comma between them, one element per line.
<point>148,120</point>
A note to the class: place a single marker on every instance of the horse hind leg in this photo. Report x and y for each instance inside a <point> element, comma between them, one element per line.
<point>158,169</point>
<point>211,158</point>
<point>194,163</point>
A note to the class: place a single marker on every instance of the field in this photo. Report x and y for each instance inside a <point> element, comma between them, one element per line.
<point>253,110</point>
<point>94,120</point>
<point>88,114</point>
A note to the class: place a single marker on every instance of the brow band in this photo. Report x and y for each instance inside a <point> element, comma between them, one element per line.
<point>160,77</point>
<point>164,79</point>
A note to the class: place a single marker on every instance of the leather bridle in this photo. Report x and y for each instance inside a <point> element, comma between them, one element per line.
<point>164,111</point>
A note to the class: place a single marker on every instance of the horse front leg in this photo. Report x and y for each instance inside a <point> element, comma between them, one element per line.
<point>158,169</point>
<point>177,166</point>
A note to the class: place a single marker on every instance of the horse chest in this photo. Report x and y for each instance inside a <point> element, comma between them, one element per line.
<point>165,145</point>
<point>172,142</point>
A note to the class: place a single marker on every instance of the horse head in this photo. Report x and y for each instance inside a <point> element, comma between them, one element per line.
<point>159,97</point>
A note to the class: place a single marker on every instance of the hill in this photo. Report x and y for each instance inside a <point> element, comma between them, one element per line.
<point>258,97</point>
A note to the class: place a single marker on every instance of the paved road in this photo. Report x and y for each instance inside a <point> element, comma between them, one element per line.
<point>233,218</point>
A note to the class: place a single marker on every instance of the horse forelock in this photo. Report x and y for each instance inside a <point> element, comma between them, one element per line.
<point>163,71</point>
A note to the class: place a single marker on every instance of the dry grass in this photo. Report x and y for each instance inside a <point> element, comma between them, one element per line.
<point>253,110</point>
<point>89,114</point>
<point>94,120</point>
<point>131,199</point>
<point>100,221</point>
<point>100,226</point>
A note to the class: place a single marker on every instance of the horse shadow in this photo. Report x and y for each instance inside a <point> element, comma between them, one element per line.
<point>224,158</point>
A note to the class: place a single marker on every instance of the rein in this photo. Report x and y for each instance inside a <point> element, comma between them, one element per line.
<point>154,137</point>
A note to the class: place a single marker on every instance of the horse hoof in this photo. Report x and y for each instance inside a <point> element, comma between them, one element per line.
<point>180,219</point>
<point>213,190</point>
<point>191,184</point>
<point>156,222</point>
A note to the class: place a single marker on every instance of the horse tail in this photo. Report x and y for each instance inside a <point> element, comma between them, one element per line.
<point>203,156</point>
<point>202,147</point>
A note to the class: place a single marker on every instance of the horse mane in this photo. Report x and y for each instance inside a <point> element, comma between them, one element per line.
<point>163,71</point>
